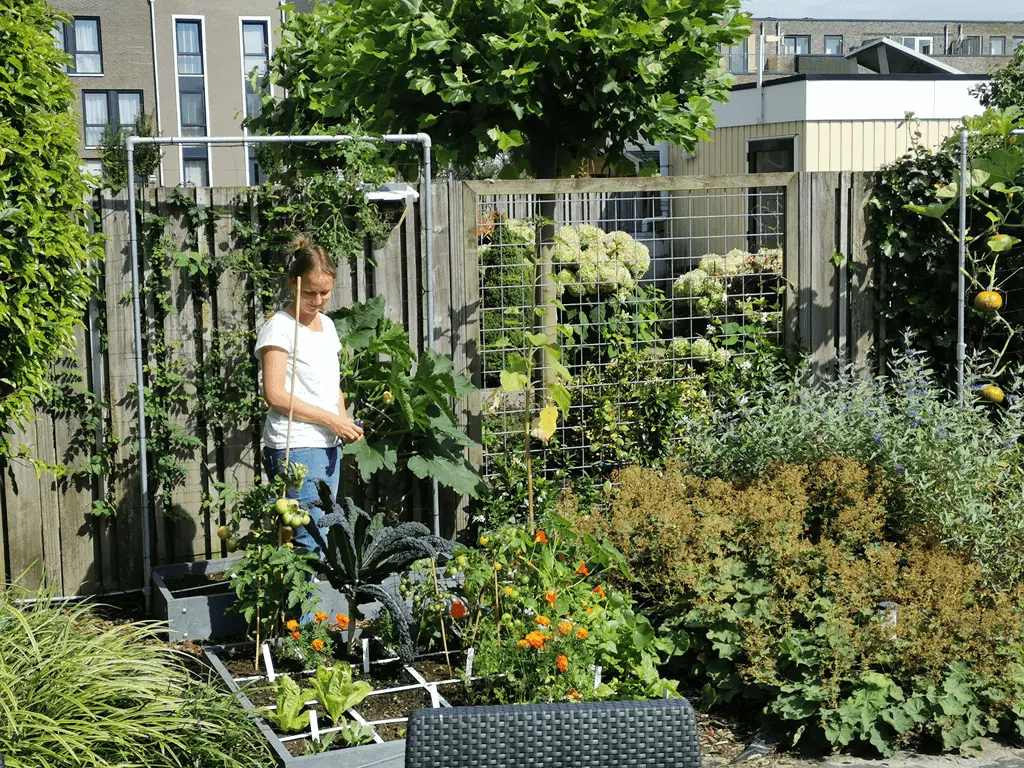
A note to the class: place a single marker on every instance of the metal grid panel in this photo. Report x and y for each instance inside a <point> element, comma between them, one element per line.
<point>657,286</point>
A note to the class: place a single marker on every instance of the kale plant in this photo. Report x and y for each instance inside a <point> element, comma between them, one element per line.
<point>362,553</point>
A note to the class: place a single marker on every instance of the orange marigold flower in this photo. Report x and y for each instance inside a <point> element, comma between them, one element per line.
<point>599,591</point>
<point>582,570</point>
<point>574,695</point>
<point>319,617</point>
<point>582,633</point>
<point>589,609</point>
<point>544,621</point>
<point>458,609</point>
<point>292,625</point>
<point>540,537</point>
<point>342,620</point>
<point>536,639</point>
<point>550,597</point>
<point>562,662</point>
<point>564,627</point>
<point>296,635</point>
<point>318,644</point>
<point>523,644</point>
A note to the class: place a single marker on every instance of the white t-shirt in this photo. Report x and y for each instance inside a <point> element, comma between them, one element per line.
<point>317,379</point>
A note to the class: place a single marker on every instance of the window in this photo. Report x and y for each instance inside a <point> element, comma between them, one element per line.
<point>93,167</point>
<point>81,39</point>
<point>971,46</point>
<point>997,46</point>
<point>195,172</point>
<point>190,51</point>
<point>737,57</point>
<point>1017,42</point>
<point>796,45</point>
<point>766,205</point>
<point>919,44</point>
<point>833,45</point>
<point>109,109</point>
<point>193,113</point>
<point>192,117</point>
<point>255,58</point>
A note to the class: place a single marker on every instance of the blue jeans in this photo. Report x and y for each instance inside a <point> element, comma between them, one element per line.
<point>323,464</point>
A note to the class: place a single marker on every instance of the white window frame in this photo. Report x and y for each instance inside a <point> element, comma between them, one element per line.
<point>842,45</point>
<point>242,20</point>
<point>918,39</point>
<point>991,40</point>
<point>175,18</point>
<point>785,46</point>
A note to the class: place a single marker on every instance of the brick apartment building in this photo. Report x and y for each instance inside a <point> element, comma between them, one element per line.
<point>820,45</point>
<point>185,62</point>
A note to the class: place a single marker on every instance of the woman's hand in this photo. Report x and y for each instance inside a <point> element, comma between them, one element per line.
<point>346,429</point>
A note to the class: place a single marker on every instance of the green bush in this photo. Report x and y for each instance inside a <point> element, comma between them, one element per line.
<point>801,597</point>
<point>76,690</point>
<point>955,470</point>
<point>45,246</point>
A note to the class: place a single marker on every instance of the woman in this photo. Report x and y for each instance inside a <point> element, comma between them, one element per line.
<point>319,420</point>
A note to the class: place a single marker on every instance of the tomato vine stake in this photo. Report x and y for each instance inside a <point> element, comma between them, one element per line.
<point>444,635</point>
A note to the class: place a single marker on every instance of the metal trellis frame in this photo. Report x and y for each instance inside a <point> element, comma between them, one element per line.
<point>131,143</point>
<point>961,298</point>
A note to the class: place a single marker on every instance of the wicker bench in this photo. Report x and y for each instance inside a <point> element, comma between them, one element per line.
<point>614,734</point>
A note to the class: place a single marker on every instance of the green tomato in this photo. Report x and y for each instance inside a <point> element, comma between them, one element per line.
<point>306,519</point>
<point>524,578</point>
<point>223,533</point>
<point>232,544</point>
<point>283,506</point>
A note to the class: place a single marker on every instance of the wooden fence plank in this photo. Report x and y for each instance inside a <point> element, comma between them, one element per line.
<point>822,285</point>
<point>791,264</point>
<point>862,276</point>
<point>49,506</point>
<point>805,301</point>
<point>24,522</point>
<point>124,413</point>
<point>842,271</point>
<point>79,545</point>
<point>236,459</point>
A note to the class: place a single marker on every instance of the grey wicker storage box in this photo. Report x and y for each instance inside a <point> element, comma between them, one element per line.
<point>610,734</point>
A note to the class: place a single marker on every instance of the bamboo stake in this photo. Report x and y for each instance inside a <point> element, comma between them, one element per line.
<point>444,635</point>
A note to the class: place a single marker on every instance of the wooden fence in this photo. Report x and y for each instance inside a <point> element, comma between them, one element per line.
<point>46,519</point>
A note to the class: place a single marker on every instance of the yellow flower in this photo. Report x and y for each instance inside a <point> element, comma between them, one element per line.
<point>536,639</point>
<point>320,617</point>
<point>292,625</point>
<point>544,621</point>
<point>564,627</point>
<point>509,591</point>
<point>582,633</point>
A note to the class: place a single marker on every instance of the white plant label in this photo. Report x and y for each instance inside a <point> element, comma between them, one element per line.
<point>469,662</point>
<point>314,726</point>
<point>269,662</point>
<point>597,677</point>
<point>366,655</point>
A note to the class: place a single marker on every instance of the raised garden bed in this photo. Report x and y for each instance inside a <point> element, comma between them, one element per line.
<point>397,690</point>
<point>195,600</point>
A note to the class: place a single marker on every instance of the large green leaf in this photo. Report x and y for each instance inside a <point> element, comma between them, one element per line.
<point>372,456</point>
<point>454,474</point>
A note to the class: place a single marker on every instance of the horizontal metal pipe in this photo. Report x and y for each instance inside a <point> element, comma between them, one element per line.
<point>391,138</point>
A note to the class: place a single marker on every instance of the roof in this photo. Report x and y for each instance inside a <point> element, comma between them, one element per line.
<point>887,21</point>
<point>886,57</point>
<point>852,78</point>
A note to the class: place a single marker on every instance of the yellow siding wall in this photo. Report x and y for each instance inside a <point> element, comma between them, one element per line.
<point>824,146</point>
<point>867,145</point>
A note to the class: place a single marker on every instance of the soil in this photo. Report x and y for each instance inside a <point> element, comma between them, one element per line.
<point>435,669</point>
<point>387,706</point>
<point>197,583</point>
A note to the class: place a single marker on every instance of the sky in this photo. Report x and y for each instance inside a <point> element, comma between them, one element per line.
<point>945,10</point>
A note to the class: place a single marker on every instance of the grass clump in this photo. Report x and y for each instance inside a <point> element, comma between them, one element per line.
<point>79,691</point>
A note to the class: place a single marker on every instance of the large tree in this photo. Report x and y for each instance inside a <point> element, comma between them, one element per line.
<point>549,82</point>
<point>1006,88</point>
<point>45,247</point>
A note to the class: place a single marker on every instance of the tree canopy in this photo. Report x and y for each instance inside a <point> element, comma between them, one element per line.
<point>547,82</point>
<point>1006,88</point>
<point>45,247</point>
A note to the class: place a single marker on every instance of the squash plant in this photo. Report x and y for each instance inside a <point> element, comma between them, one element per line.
<point>404,400</point>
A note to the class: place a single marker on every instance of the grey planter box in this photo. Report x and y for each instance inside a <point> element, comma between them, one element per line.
<point>390,754</point>
<point>202,613</point>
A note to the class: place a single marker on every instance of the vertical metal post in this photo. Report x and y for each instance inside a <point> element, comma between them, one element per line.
<point>428,257</point>
<point>961,345</point>
<point>133,239</point>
